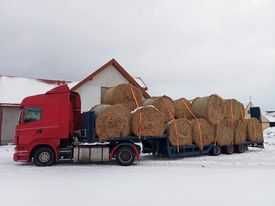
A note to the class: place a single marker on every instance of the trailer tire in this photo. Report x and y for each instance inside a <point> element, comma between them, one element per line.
<point>246,147</point>
<point>240,148</point>
<point>228,149</point>
<point>125,156</point>
<point>216,150</point>
<point>43,156</point>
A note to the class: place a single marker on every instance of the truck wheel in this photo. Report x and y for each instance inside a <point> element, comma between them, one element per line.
<point>229,149</point>
<point>125,156</point>
<point>43,156</point>
<point>240,148</point>
<point>216,150</point>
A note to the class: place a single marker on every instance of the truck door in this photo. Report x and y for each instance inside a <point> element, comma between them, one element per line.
<point>29,128</point>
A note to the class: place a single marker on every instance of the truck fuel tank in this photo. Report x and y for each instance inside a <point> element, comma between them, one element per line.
<point>91,153</point>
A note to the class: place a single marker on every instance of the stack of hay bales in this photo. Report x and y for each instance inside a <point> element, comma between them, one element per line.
<point>234,114</point>
<point>125,112</point>
<point>204,121</point>
<point>210,113</point>
<point>113,118</point>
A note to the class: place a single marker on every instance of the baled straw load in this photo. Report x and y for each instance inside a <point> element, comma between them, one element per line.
<point>112,122</point>
<point>164,104</point>
<point>147,121</point>
<point>126,94</point>
<point>255,132</point>
<point>203,133</point>
<point>225,132</point>
<point>240,133</point>
<point>97,109</point>
<point>233,109</point>
<point>210,108</point>
<point>183,108</point>
<point>180,132</point>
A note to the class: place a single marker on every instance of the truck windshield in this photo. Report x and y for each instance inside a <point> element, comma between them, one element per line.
<point>31,114</point>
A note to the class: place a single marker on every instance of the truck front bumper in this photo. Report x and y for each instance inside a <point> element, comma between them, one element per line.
<point>21,156</point>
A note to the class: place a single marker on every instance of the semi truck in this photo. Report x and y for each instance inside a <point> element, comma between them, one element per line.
<point>52,129</point>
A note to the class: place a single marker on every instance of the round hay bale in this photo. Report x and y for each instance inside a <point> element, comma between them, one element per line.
<point>210,108</point>
<point>164,104</point>
<point>255,132</point>
<point>180,132</point>
<point>240,134</point>
<point>113,122</point>
<point>233,109</point>
<point>126,94</point>
<point>183,108</point>
<point>147,121</point>
<point>203,133</point>
<point>225,132</point>
<point>97,109</point>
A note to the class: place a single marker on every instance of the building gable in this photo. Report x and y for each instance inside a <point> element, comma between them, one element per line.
<point>91,88</point>
<point>91,92</point>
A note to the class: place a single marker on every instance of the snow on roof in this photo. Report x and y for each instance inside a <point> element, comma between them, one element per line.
<point>270,116</point>
<point>14,89</point>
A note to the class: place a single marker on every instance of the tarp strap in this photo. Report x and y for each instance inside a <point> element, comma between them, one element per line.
<point>175,125</point>
<point>198,122</point>
<point>140,116</point>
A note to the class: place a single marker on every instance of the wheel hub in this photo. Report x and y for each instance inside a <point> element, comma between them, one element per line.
<point>44,157</point>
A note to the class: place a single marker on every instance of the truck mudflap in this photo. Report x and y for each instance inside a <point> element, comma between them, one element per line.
<point>133,147</point>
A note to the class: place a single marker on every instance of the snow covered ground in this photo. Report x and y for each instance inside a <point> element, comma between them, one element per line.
<point>238,179</point>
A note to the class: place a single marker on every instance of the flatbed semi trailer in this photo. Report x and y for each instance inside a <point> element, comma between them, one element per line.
<point>52,128</point>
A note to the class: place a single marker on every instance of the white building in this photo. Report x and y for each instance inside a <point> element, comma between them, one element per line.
<point>14,89</point>
<point>92,88</point>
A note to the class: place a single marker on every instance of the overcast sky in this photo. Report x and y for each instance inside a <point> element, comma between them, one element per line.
<point>180,48</point>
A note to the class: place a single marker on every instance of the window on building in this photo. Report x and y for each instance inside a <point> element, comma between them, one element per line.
<point>31,114</point>
<point>103,91</point>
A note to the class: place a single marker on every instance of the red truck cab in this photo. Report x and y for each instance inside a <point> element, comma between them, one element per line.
<point>46,122</point>
<point>51,127</point>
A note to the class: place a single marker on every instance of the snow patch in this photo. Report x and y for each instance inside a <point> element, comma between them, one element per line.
<point>238,179</point>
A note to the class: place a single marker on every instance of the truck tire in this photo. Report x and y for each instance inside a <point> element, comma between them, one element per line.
<point>43,156</point>
<point>125,156</point>
<point>240,148</point>
<point>216,150</point>
<point>228,149</point>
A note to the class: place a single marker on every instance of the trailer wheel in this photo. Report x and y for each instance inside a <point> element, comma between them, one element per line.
<point>125,156</point>
<point>43,156</point>
<point>246,147</point>
<point>240,148</point>
<point>228,149</point>
<point>216,150</point>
